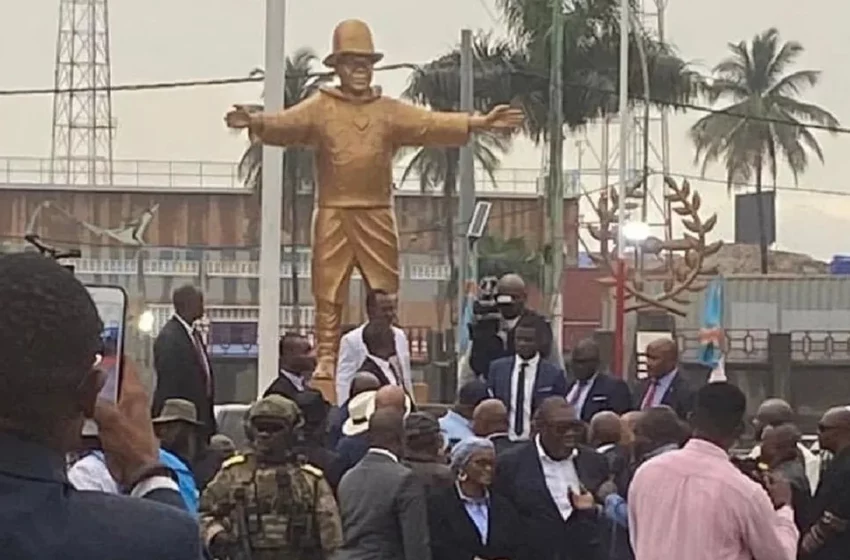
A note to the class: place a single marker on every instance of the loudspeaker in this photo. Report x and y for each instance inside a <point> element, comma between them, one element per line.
<point>746,217</point>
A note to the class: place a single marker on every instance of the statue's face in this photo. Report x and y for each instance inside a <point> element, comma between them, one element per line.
<point>355,73</point>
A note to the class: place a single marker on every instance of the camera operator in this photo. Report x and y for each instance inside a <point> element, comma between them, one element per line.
<point>497,311</point>
<point>49,337</point>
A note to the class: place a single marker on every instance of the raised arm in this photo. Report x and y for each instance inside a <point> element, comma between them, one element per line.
<point>415,126</point>
<point>295,126</point>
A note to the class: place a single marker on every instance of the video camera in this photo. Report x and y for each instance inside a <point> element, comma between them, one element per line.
<point>485,308</point>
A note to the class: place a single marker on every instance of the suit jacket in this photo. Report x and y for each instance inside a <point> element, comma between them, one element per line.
<point>679,396</point>
<point>383,511</point>
<point>352,352</point>
<point>349,451</point>
<point>503,443</point>
<point>284,387</point>
<point>43,517</point>
<point>455,537</point>
<point>519,477</point>
<point>606,393</point>
<point>430,473</point>
<point>549,382</point>
<point>180,373</point>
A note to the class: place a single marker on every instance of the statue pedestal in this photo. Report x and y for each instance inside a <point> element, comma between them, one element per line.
<point>328,389</point>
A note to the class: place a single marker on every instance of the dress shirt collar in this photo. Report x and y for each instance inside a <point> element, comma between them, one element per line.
<point>541,453</point>
<point>296,380</point>
<point>704,447</point>
<point>27,459</point>
<point>384,452</point>
<point>485,500</point>
<point>498,435</point>
<point>453,416</point>
<point>532,362</point>
<point>662,449</point>
<point>587,382</point>
<point>605,447</point>
<point>666,379</point>
<point>187,326</point>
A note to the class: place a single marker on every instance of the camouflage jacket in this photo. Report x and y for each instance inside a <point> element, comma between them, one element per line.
<point>284,509</point>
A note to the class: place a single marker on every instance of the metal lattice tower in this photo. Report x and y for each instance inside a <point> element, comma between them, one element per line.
<point>81,151</point>
<point>601,143</point>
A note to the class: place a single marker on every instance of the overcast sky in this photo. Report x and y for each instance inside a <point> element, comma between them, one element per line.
<point>160,40</point>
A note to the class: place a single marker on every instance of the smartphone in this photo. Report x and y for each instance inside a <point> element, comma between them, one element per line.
<point>111,303</point>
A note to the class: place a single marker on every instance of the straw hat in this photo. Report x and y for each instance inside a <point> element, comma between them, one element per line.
<point>178,410</point>
<point>360,410</point>
<point>352,36</point>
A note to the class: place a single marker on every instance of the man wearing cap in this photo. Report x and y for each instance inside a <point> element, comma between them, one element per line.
<point>178,430</point>
<point>356,131</point>
<point>423,451</point>
<point>264,502</point>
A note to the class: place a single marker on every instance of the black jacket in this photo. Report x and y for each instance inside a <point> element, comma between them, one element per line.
<point>43,518</point>
<point>606,393</point>
<point>181,375</point>
<point>679,396</point>
<point>455,537</point>
<point>519,477</point>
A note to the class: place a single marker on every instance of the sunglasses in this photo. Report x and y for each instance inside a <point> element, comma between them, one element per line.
<point>268,427</point>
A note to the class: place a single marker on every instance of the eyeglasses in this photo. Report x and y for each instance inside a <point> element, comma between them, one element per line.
<point>268,427</point>
<point>824,428</point>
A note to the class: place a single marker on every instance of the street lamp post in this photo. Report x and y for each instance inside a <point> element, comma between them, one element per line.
<point>270,218</point>
<point>619,329</point>
<point>628,233</point>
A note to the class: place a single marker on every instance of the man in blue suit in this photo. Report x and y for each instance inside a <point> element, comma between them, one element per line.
<point>594,391</point>
<point>524,380</point>
<point>50,336</point>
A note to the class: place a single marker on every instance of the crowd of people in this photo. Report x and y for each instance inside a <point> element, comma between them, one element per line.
<point>526,465</point>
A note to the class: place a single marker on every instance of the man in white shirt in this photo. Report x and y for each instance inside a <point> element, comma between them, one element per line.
<point>381,308</point>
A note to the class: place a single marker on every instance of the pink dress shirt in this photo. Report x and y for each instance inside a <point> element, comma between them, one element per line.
<point>694,504</point>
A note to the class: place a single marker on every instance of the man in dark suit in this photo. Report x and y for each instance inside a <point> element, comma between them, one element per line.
<point>182,365</point>
<point>523,381</point>
<point>490,420</point>
<point>362,382</point>
<point>594,391</point>
<point>511,297</point>
<point>297,362</point>
<point>381,502</point>
<point>665,385</point>
<point>379,339</point>
<point>50,332</point>
<point>551,481</point>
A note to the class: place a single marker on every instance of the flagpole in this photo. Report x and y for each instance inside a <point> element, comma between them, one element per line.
<point>620,319</point>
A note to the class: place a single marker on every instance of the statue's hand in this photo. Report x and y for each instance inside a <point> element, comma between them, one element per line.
<point>504,117</point>
<point>238,117</point>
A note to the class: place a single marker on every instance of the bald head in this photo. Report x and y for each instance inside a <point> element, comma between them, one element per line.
<point>512,284</point>
<point>386,429</point>
<point>392,397</point>
<point>779,444</point>
<point>605,428</point>
<point>585,359</point>
<point>834,429</point>
<point>490,417</point>
<point>772,412</point>
<point>662,357</point>
<point>627,422</point>
<point>363,381</point>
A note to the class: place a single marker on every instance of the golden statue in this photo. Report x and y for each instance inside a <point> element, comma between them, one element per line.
<point>356,132</point>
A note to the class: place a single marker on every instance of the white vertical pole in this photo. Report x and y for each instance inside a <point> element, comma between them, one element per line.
<point>624,120</point>
<point>270,224</point>
<point>466,198</point>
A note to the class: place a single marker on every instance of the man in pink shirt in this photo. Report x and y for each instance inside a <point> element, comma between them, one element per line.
<point>694,504</point>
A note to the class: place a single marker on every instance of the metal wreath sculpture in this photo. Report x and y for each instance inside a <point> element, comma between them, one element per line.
<point>681,276</point>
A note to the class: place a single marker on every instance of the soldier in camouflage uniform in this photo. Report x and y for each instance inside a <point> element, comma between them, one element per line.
<point>266,504</point>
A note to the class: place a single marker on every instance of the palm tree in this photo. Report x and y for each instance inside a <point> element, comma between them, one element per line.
<point>437,85</point>
<point>590,62</point>
<point>497,256</point>
<point>298,163</point>
<point>755,79</point>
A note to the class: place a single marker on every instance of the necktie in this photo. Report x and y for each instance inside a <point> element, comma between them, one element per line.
<point>576,394</point>
<point>650,395</point>
<point>198,343</point>
<point>519,406</point>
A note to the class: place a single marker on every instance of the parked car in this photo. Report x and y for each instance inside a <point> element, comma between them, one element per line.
<point>229,418</point>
